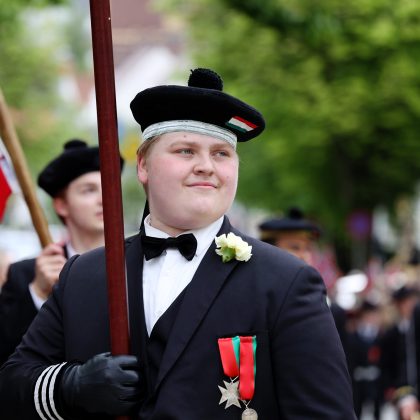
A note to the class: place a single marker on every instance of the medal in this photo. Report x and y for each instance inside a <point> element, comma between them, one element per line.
<point>229,353</point>
<point>238,361</point>
<point>230,394</point>
<point>247,371</point>
<point>249,414</point>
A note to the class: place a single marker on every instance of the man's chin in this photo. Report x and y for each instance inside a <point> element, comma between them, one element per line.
<point>99,228</point>
<point>200,218</point>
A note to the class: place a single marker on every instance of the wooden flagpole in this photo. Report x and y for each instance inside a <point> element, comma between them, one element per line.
<point>14,148</point>
<point>110,173</point>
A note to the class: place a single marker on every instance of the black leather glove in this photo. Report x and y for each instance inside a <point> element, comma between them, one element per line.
<point>104,384</point>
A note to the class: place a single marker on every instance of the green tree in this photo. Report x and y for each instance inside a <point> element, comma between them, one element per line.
<point>339,86</point>
<point>29,75</point>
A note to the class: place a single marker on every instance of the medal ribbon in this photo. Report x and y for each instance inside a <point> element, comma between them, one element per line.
<point>248,367</point>
<point>238,360</point>
<point>229,353</point>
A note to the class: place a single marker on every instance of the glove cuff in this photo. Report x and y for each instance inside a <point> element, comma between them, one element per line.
<point>65,393</point>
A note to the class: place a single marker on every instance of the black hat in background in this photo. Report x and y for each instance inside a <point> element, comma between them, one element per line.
<point>404,292</point>
<point>294,221</point>
<point>200,107</point>
<point>368,305</point>
<point>76,159</point>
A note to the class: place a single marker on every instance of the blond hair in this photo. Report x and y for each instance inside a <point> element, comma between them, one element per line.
<point>144,150</point>
<point>145,146</point>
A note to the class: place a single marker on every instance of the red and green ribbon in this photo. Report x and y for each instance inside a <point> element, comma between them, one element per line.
<point>238,360</point>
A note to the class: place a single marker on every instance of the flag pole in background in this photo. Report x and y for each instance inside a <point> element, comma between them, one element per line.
<point>103,64</point>
<point>13,147</point>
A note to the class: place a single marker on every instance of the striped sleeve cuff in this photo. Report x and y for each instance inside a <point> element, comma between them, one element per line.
<point>44,393</point>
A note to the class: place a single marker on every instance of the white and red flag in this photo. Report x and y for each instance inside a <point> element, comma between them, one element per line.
<point>8,183</point>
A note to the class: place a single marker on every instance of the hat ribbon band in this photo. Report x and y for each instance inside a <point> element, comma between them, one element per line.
<point>192,126</point>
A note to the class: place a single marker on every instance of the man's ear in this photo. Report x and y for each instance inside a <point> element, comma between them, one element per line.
<point>60,206</point>
<point>142,173</point>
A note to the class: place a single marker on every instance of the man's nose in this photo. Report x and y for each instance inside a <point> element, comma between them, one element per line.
<point>204,164</point>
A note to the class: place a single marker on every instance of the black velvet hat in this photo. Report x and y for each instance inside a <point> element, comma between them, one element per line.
<point>368,306</point>
<point>294,221</point>
<point>403,293</point>
<point>76,160</point>
<point>163,109</point>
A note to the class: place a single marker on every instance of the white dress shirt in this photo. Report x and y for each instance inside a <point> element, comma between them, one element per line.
<point>166,276</point>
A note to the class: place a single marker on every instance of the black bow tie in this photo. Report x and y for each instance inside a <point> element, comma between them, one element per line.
<point>153,247</point>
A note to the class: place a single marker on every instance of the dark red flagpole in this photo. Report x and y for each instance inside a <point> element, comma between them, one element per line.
<point>103,63</point>
<point>110,173</point>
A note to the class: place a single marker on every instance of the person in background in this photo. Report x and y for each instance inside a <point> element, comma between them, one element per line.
<point>364,357</point>
<point>73,181</point>
<point>400,353</point>
<point>292,233</point>
<point>199,292</point>
<point>297,235</point>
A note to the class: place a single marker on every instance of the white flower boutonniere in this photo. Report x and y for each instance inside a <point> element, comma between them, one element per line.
<point>231,246</point>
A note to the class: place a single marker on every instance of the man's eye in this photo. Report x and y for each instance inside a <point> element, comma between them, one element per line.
<point>185,151</point>
<point>87,190</point>
<point>222,153</point>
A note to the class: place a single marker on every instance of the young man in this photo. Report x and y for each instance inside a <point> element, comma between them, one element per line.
<point>73,181</point>
<point>222,326</point>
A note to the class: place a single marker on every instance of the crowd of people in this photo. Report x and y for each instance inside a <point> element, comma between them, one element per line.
<point>382,344</point>
<point>196,303</point>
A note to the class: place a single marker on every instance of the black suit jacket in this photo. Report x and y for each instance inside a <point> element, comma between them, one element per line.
<point>301,370</point>
<point>17,309</point>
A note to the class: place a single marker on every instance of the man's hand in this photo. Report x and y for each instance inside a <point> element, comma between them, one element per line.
<point>47,269</point>
<point>104,384</point>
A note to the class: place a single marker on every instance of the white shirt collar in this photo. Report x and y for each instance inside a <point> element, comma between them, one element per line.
<point>70,250</point>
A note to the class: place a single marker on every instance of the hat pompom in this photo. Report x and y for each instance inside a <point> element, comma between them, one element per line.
<point>205,78</point>
<point>74,143</point>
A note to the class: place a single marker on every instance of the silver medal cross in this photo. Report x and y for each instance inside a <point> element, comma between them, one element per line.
<point>230,394</point>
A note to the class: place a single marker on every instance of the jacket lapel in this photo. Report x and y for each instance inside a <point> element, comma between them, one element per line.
<point>199,295</point>
<point>138,332</point>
